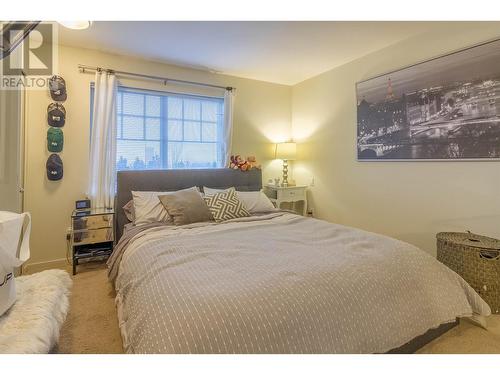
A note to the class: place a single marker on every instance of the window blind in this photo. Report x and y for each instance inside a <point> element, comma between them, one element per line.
<point>157,130</point>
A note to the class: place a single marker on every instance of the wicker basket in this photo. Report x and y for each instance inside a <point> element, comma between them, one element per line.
<point>475,258</point>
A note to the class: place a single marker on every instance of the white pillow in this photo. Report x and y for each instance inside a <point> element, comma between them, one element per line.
<point>148,208</point>
<point>254,201</point>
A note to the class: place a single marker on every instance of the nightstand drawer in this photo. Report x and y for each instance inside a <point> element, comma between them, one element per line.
<point>82,237</point>
<point>93,222</point>
<point>291,194</point>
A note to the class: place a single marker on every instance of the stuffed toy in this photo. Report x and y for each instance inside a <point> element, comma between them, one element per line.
<point>252,160</point>
<point>237,162</point>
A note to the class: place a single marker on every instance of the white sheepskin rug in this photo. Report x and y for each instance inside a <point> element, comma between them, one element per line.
<point>32,324</point>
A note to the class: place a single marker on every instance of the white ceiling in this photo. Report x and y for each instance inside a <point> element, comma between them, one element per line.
<point>280,52</point>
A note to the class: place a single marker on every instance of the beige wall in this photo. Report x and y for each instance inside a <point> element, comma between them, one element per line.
<point>411,201</point>
<point>262,115</point>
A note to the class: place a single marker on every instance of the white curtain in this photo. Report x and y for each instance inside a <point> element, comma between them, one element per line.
<point>102,166</point>
<point>228,126</point>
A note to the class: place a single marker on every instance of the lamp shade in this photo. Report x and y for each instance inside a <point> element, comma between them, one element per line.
<point>286,151</point>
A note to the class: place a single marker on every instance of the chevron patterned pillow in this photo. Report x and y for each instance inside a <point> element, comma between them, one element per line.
<point>225,205</point>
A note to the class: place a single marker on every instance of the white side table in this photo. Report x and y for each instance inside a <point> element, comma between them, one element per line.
<point>292,194</point>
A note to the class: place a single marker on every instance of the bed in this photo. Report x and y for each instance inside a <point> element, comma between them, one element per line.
<point>274,282</point>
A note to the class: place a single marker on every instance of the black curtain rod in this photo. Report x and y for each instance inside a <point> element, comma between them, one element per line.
<point>87,68</point>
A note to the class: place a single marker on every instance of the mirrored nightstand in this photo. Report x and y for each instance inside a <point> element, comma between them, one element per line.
<point>92,234</point>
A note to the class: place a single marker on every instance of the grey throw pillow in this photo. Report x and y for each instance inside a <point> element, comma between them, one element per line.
<point>129,210</point>
<point>226,205</point>
<point>186,206</point>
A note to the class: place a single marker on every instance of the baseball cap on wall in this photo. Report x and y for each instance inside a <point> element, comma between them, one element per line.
<point>56,115</point>
<point>57,87</point>
<point>54,167</point>
<point>55,140</point>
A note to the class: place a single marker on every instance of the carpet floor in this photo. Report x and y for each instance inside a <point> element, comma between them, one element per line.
<point>92,325</point>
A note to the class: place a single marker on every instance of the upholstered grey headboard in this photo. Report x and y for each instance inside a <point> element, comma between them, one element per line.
<point>177,179</point>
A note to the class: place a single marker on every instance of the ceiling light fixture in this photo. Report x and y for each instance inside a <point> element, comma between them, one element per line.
<point>76,25</point>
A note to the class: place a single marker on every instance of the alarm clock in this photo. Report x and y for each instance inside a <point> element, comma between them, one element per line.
<point>82,204</point>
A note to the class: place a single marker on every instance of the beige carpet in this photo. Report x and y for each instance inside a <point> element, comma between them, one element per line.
<point>467,338</point>
<point>92,325</point>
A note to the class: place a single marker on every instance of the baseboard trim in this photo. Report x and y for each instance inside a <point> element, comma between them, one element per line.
<point>31,268</point>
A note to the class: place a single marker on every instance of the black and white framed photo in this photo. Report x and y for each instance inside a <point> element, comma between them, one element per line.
<point>447,108</point>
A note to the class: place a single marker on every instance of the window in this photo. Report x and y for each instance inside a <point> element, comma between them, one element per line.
<point>157,130</point>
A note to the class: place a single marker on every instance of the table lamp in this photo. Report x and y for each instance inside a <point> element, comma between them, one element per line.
<point>285,151</point>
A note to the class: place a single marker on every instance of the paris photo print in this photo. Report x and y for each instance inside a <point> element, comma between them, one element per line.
<point>447,108</point>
